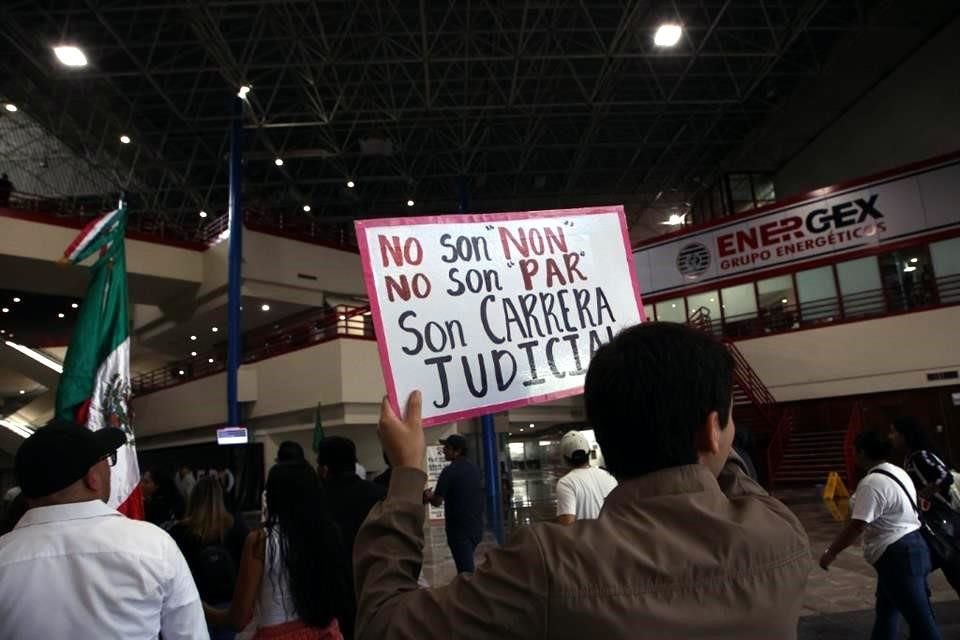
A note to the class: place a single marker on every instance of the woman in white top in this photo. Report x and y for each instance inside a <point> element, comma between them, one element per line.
<point>885,511</point>
<point>582,491</point>
<point>292,580</point>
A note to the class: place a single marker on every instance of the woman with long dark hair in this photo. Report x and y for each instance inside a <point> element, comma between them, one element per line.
<point>292,574</point>
<point>932,478</point>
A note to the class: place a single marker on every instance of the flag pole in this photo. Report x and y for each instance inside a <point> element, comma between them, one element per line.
<point>235,262</point>
<point>491,459</point>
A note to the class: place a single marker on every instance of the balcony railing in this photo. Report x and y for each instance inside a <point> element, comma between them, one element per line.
<point>298,332</point>
<point>148,226</point>
<point>875,303</point>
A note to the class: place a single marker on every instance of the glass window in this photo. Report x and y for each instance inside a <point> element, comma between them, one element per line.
<point>648,311</point>
<point>777,303</point>
<point>860,287</point>
<point>945,256</point>
<point>739,302</point>
<point>671,311</point>
<point>907,278</point>
<point>817,293</point>
<point>708,300</point>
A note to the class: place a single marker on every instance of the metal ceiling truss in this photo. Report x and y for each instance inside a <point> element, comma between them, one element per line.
<point>547,102</point>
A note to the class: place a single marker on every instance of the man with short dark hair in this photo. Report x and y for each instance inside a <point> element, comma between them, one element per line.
<point>290,451</point>
<point>686,546</point>
<point>74,568</point>
<point>460,490</point>
<point>349,497</point>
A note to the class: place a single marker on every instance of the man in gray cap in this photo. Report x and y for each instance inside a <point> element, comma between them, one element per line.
<point>73,567</point>
<point>460,490</point>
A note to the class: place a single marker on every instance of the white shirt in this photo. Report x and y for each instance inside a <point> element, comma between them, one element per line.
<point>582,491</point>
<point>885,508</point>
<point>83,570</point>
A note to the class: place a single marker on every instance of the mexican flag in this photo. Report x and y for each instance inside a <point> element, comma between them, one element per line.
<point>94,388</point>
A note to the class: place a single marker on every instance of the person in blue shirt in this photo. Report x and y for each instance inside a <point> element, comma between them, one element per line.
<point>460,490</point>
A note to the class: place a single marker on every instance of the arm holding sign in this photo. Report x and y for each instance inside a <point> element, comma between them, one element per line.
<point>503,599</point>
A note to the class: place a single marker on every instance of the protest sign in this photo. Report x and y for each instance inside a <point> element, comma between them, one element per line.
<point>436,463</point>
<point>487,312</point>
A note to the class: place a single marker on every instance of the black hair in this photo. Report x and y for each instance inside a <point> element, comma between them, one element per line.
<point>650,390</point>
<point>913,434</point>
<point>337,453</point>
<point>290,451</point>
<point>873,446</point>
<point>579,458</point>
<point>310,545</point>
<point>167,496</point>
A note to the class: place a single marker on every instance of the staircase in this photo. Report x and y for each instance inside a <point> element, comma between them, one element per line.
<point>810,455</point>
<point>755,409</point>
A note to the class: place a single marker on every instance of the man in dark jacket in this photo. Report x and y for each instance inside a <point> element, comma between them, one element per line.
<point>349,497</point>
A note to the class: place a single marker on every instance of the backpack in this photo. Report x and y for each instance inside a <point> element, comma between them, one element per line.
<point>215,573</point>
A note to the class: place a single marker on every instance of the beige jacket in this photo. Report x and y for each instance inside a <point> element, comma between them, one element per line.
<point>674,554</point>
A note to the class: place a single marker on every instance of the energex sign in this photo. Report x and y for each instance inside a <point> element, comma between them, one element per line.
<point>831,221</point>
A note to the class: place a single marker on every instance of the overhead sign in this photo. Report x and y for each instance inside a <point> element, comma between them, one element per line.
<point>833,221</point>
<point>487,312</point>
<point>232,435</point>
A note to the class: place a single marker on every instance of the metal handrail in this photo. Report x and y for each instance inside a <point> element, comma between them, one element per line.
<point>298,332</point>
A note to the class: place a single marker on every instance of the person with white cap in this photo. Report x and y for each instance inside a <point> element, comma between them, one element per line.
<point>581,492</point>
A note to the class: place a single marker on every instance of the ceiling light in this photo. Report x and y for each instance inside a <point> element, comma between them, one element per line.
<point>210,360</point>
<point>784,301</point>
<point>125,139</point>
<point>278,162</point>
<point>12,108</point>
<point>410,203</point>
<point>674,305</point>
<point>675,219</point>
<point>70,56</point>
<point>193,354</point>
<point>713,299</point>
<point>60,315</point>
<point>521,429</point>
<point>22,391</point>
<point>909,269</point>
<point>264,307</point>
<point>914,260</point>
<point>74,305</point>
<point>668,35</point>
<point>203,214</point>
<point>5,309</point>
<point>306,208</point>
<point>214,329</point>
<point>532,425</point>
<point>181,372</point>
<point>16,299</point>
<point>42,358</point>
<point>351,184</point>
<point>193,337</point>
<point>244,90</point>
<point>343,317</point>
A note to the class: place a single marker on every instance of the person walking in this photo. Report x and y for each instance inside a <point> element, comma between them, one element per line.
<point>581,492</point>
<point>460,490</point>
<point>884,511</point>
<point>292,572</point>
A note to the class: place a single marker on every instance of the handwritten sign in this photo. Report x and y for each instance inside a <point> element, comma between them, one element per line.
<point>436,463</point>
<point>487,312</point>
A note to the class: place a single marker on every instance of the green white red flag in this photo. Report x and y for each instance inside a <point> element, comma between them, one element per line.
<point>94,388</point>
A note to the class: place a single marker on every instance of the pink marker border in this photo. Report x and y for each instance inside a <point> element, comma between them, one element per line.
<point>362,226</point>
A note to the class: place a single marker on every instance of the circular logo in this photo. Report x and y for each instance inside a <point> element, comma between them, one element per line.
<point>693,260</point>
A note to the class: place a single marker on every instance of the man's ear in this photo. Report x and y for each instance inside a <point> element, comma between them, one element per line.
<point>707,439</point>
<point>92,479</point>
